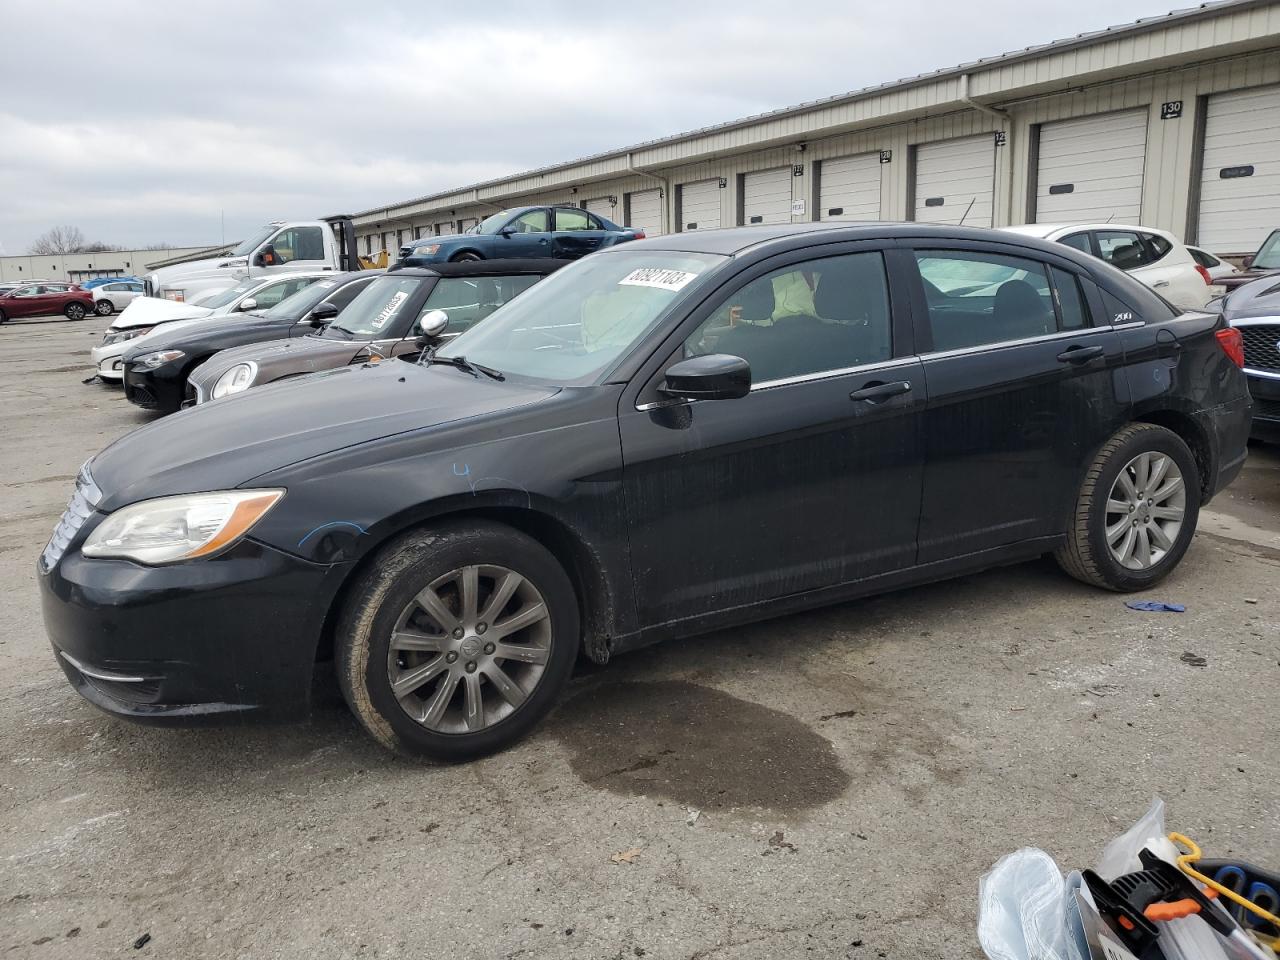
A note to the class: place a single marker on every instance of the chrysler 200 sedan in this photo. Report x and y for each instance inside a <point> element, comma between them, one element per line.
<point>679,434</point>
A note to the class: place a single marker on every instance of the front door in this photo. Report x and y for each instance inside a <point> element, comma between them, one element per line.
<point>1023,388</point>
<point>296,248</point>
<point>528,235</point>
<point>812,479</point>
<point>24,301</point>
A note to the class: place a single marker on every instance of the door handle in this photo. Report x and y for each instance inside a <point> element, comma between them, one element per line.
<point>1160,283</point>
<point>1080,354</point>
<point>877,391</point>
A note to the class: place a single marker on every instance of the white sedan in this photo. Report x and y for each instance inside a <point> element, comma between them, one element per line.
<point>145,314</point>
<point>114,297</point>
<point>1154,257</point>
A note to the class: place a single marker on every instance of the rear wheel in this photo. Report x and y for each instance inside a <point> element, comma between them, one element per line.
<point>1136,512</point>
<point>104,308</point>
<point>457,641</point>
<point>75,311</point>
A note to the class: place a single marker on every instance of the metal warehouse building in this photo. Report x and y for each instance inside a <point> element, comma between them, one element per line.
<point>1172,122</point>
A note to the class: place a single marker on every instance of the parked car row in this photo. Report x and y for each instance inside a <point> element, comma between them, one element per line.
<point>667,436</point>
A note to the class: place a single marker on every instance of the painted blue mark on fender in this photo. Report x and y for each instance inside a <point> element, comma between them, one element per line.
<point>334,523</point>
<point>464,472</point>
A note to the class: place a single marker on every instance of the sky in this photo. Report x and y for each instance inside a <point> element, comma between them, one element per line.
<point>161,122</point>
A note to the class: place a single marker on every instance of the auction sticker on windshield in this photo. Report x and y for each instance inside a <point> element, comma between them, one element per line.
<point>386,313</point>
<point>657,277</point>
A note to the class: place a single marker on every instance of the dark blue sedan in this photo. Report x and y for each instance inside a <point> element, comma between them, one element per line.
<point>562,233</point>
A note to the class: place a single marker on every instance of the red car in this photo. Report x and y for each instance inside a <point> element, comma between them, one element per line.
<point>46,297</point>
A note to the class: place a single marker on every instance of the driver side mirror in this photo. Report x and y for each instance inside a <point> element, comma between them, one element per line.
<point>247,304</point>
<point>323,314</point>
<point>508,231</point>
<point>1247,262</point>
<point>716,376</point>
<point>431,325</point>
<point>266,257</point>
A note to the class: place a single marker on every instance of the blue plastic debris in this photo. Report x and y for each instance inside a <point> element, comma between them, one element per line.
<point>1155,606</point>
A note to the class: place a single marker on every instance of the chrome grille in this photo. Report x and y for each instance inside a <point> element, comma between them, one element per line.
<point>1261,345</point>
<point>79,509</point>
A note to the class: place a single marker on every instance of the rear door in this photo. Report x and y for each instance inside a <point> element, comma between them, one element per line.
<point>576,233</point>
<point>1023,388</point>
<point>809,481</point>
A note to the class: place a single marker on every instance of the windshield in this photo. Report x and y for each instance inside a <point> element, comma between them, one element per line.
<point>248,246</point>
<point>228,296</point>
<point>1268,257</point>
<point>373,308</point>
<point>577,324</point>
<point>297,304</point>
<point>491,225</point>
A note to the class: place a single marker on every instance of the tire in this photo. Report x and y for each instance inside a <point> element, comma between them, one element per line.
<point>75,311</point>
<point>384,599</point>
<point>3,317</point>
<point>104,308</point>
<point>465,257</point>
<point>1107,498</point>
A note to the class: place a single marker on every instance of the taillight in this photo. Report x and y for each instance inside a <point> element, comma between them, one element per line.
<point>1232,344</point>
<point>1204,272</point>
<point>639,235</point>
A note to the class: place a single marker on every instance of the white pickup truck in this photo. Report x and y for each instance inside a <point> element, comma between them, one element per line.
<point>327,244</point>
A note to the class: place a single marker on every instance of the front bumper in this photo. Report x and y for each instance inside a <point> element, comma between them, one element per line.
<point>108,362</point>
<point>1266,408</point>
<point>155,389</point>
<point>189,642</point>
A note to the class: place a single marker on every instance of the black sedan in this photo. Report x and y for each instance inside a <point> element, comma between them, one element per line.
<point>385,321</point>
<point>1254,310</point>
<point>156,376</point>
<point>677,435</point>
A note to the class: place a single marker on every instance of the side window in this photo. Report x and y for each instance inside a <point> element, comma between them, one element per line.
<point>468,301</point>
<point>1073,314</point>
<point>26,291</point>
<point>534,221</point>
<point>811,317</point>
<point>976,298</point>
<point>299,243</point>
<point>1158,244</point>
<point>569,220</point>
<point>273,294</point>
<point>1080,241</point>
<point>596,222</point>
<point>135,287</point>
<point>1122,248</point>
<point>55,288</point>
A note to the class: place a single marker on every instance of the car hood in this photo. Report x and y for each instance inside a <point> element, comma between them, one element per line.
<point>275,357</point>
<point>225,444</point>
<point>195,269</point>
<point>205,332</point>
<point>1258,298</point>
<point>148,311</point>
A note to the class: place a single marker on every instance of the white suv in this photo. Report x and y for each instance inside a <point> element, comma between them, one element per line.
<point>1154,257</point>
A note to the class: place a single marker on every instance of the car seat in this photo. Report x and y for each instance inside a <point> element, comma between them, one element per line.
<point>1018,312</point>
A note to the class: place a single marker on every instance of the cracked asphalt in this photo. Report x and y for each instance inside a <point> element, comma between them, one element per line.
<point>828,785</point>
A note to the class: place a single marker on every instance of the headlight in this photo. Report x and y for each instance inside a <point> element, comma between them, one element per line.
<point>426,251</point>
<point>158,358</point>
<point>128,333</point>
<point>237,379</point>
<point>170,529</point>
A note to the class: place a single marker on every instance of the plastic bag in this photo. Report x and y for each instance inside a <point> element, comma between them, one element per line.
<point>1120,856</point>
<point>1021,911</point>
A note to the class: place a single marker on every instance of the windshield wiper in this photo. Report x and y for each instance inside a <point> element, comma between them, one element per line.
<point>462,363</point>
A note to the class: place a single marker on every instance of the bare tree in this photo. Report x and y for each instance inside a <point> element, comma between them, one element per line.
<point>58,241</point>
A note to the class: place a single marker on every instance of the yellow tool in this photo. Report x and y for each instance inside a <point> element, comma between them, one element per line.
<point>1185,862</point>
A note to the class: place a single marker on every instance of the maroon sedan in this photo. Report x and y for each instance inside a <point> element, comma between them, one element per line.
<point>47,297</point>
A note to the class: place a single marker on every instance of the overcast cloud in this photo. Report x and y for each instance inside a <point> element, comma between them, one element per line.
<point>146,122</point>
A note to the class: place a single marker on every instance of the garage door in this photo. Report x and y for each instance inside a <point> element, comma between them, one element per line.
<point>601,206</point>
<point>1240,186</point>
<point>766,196</point>
<point>1090,169</point>
<point>644,211</point>
<point>955,181</point>
<point>444,228</point>
<point>700,205</point>
<point>849,188</point>
<point>466,223</point>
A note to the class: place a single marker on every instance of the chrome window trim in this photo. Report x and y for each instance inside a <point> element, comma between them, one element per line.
<point>1128,325</point>
<point>1001,344</point>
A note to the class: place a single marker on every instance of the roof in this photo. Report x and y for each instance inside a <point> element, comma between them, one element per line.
<point>482,268</point>
<point>1142,25</point>
<point>1048,229</point>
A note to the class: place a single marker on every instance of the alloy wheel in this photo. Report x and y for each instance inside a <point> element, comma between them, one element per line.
<point>1145,510</point>
<point>75,311</point>
<point>103,308</point>
<point>469,649</point>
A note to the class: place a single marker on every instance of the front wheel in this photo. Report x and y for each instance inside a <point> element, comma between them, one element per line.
<point>1136,512</point>
<point>457,640</point>
<point>104,308</point>
<point>75,311</point>
<point>466,257</point>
